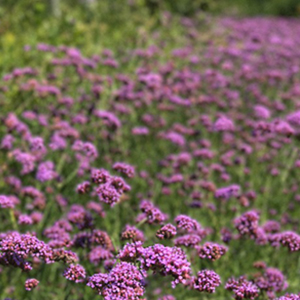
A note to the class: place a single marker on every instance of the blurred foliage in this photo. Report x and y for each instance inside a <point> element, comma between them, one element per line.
<point>96,24</point>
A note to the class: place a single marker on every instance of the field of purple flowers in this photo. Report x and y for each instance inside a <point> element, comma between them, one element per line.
<point>162,172</point>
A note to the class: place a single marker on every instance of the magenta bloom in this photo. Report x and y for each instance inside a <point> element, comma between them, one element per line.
<point>31,284</point>
<point>124,168</point>
<point>224,124</point>
<point>166,232</point>
<point>206,281</point>
<point>124,282</point>
<point>247,224</point>
<point>6,202</point>
<point>187,224</point>
<point>46,171</point>
<point>75,273</point>
<point>167,261</point>
<point>242,288</point>
<point>228,192</point>
<point>211,251</point>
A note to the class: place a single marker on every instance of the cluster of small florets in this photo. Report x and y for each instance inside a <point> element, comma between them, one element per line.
<point>211,251</point>
<point>124,281</point>
<point>206,281</point>
<point>6,202</point>
<point>271,280</point>
<point>247,224</point>
<point>124,168</point>
<point>228,192</point>
<point>166,232</point>
<point>188,240</point>
<point>242,288</point>
<point>131,251</point>
<point>31,284</point>
<point>132,233</point>
<point>46,172</point>
<point>291,240</point>
<point>167,261</point>
<point>186,223</point>
<point>150,213</point>
<point>75,273</point>
<point>110,188</point>
<point>16,248</point>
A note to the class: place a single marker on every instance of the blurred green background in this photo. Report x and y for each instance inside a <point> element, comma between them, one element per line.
<point>94,24</point>
<point>90,24</point>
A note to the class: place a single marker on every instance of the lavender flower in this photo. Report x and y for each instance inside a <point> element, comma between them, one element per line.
<point>242,288</point>
<point>167,261</point>
<point>166,232</point>
<point>206,281</point>
<point>75,273</point>
<point>228,192</point>
<point>211,251</point>
<point>247,224</point>
<point>124,168</point>
<point>31,284</point>
<point>124,281</point>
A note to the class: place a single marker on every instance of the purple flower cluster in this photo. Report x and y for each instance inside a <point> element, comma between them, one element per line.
<point>151,213</point>
<point>247,224</point>
<point>211,251</point>
<point>75,273</point>
<point>242,288</point>
<point>31,284</point>
<point>167,261</point>
<point>206,281</point>
<point>124,281</point>
<point>166,232</point>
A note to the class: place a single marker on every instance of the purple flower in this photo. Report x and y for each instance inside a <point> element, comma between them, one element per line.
<point>46,171</point>
<point>166,232</point>
<point>83,188</point>
<point>247,224</point>
<point>291,240</point>
<point>271,280</point>
<point>25,220</point>
<point>242,288</point>
<point>108,194</point>
<point>131,251</point>
<point>124,168</point>
<point>124,282</point>
<point>99,254</point>
<point>100,176</point>
<point>206,281</point>
<point>140,131</point>
<point>6,202</point>
<point>211,251</point>
<point>224,124</point>
<point>152,213</point>
<point>294,118</point>
<point>187,223</point>
<point>31,284</point>
<point>228,192</point>
<point>101,238</point>
<point>188,240</point>
<point>109,119</point>
<point>16,248</point>
<point>7,142</point>
<point>167,261</point>
<point>75,273</point>
<point>132,233</point>
<point>27,160</point>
